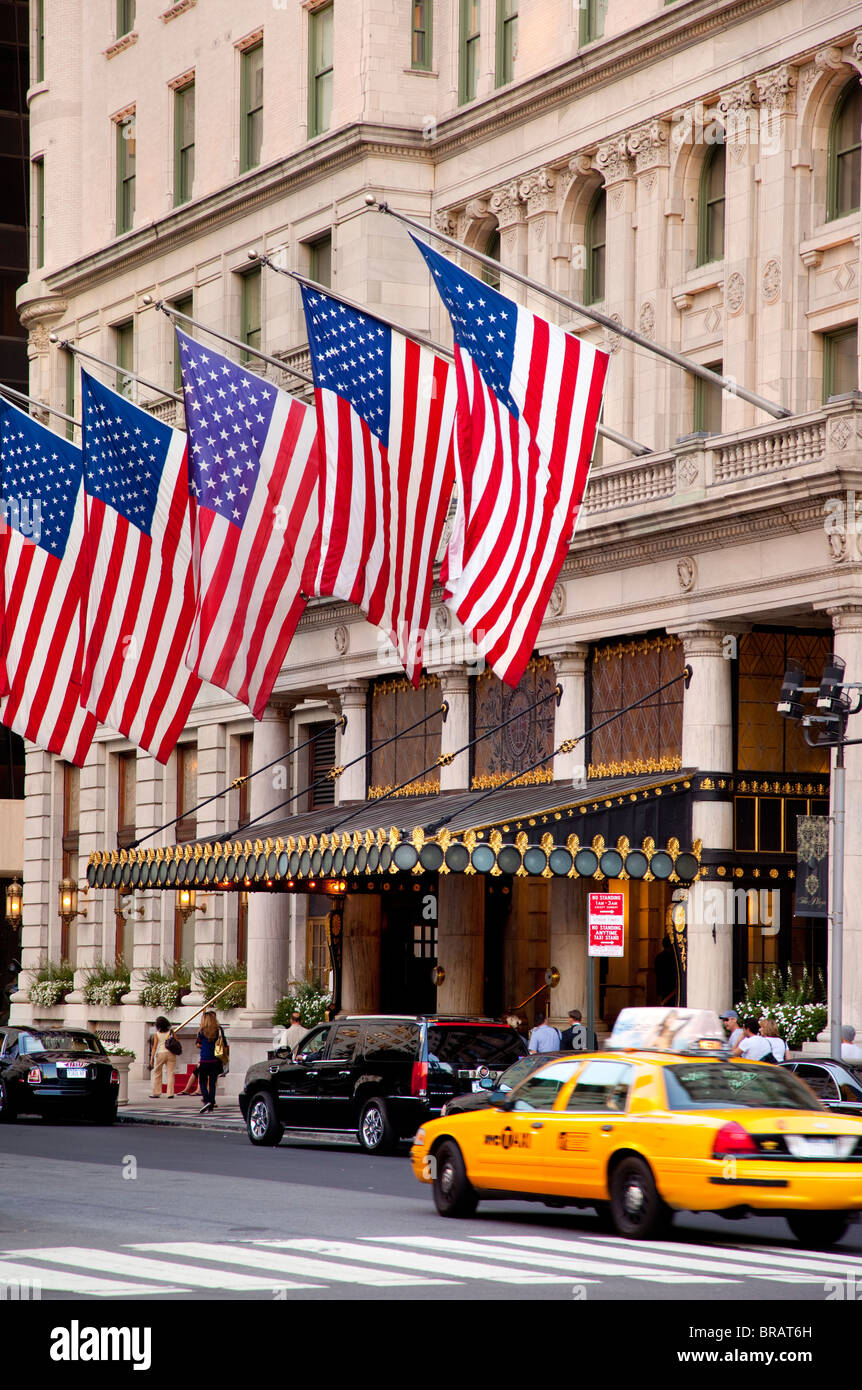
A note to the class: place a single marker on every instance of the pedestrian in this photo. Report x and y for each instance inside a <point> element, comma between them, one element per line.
<point>850,1051</point>
<point>161,1058</point>
<point>293,1036</point>
<point>210,1067</point>
<point>544,1038</point>
<point>753,1047</point>
<point>778,1047</point>
<point>574,1037</point>
<point>666,978</point>
<point>191,1085</point>
<point>730,1019</point>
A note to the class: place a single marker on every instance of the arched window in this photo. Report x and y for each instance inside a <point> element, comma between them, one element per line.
<point>492,248</point>
<point>842,195</point>
<point>594,239</point>
<point>710,220</point>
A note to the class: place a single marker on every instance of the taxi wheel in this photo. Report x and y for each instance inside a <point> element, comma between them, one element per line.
<point>637,1209</point>
<point>262,1123</point>
<point>818,1228</point>
<point>375,1133</point>
<point>453,1195</point>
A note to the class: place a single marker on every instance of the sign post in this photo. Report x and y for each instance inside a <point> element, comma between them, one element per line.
<point>605,937</point>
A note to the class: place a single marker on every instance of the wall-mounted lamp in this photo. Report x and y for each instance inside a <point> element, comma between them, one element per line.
<point>14,903</point>
<point>68,901</point>
<point>187,902</point>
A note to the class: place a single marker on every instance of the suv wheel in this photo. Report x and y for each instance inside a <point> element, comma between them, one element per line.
<point>637,1209</point>
<point>453,1194</point>
<point>375,1129</point>
<point>818,1229</point>
<point>264,1126</point>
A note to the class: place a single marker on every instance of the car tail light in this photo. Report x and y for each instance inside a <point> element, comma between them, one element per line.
<point>115,1077</point>
<point>34,1076</point>
<point>419,1079</point>
<point>733,1141</point>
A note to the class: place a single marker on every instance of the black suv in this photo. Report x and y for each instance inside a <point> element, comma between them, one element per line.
<point>376,1077</point>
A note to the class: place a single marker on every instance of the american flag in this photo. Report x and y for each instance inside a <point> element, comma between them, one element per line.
<point>253,475</point>
<point>137,546</point>
<point>44,580</point>
<point>529,397</point>
<point>385,418</point>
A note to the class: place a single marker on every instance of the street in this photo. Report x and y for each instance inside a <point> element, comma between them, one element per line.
<point>160,1212</point>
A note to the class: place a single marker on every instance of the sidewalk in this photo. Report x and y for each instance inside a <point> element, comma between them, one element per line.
<point>144,1109</point>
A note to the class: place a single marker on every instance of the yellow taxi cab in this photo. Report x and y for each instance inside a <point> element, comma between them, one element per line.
<point>662,1121</point>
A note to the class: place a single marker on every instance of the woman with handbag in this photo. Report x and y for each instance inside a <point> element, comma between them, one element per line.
<point>163,1056</point>
<point>214,1052</point>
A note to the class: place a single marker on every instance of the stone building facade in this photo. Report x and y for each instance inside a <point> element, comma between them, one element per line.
<point>693,170</point>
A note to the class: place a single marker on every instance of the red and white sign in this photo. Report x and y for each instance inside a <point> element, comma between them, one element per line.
<point>607,923</point>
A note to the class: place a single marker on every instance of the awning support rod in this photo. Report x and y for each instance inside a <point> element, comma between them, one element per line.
<point>446,758</point>
<point>728,384</point>
<point>568,745</point>
<point>236,783</point>
<point>639,450</point>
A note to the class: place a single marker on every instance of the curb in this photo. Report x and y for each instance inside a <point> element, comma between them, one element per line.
<point>228,1125</point>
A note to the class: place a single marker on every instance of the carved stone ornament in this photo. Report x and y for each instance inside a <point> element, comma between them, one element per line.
<point>734,292</point>
<point>536,190</point>
<point>341,638</point>
<point>828,59</point>
<point>646,319</point>
<point>770,281</point>
<point>648,145</point>
<point>837,542</point>
<point>445,223</point>
<point>442,618</point>
<point>857,49</point>
<point>477,209</point>
<point>506,204</point>
<point>777,90</point>
<point>686,569</point>
<point>614,161</point>
<point>613,341</point>
<point>807,78</point>
<point>840,432</point>
<point>557,601</point>
<point>741,97</point>
<point>688,470</point>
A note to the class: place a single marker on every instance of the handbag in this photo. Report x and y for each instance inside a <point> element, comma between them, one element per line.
<point>173,1045</point>
<point>222,1051</point>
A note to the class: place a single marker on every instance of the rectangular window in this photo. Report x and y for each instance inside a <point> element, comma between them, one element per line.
<point>507,40</point>
<point>124,348</point>
<point>251,100</point>
<point>125,17</point>
<point>320,54</point>
<point>840,362</point>
<point>468,57</point>
<point>321,759</point>
<point>420,47</point>
<point>125,174</point>
<point>320,260</point>
<point>69,407</point>
<point>39,210</point>
<point>187,791</point>
<point>250,311</point>
<point>186,305</point>
<point>184,144</point>
<point>317,951</point>
<point>39,42</point>
<point>708,402</point>
<point>592,24</point>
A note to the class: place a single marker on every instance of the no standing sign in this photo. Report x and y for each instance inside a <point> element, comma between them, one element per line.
<point>606,924</point>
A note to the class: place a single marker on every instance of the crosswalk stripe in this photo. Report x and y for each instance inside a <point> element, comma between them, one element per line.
<point>110,1262</point>
<point>577,1258</point>
<point>290,1264</point>
<point>403,1259</point>
<point>756,1252</point>
<point>738,1262</point>
<point>12,1273</point>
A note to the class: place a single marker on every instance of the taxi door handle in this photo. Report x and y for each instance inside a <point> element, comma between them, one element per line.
<point>607,1129</point>
<point>537,1124</point>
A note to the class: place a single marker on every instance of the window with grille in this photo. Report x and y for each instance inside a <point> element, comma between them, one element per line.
<point>766,742</point>
<point>646,739</point>
<point>321,760</point>
<point>528,734</point>
<point>395,707</point>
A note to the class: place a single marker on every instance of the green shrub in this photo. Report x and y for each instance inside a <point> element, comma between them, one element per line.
<point>54,980</point>
<point>794,1001</point>
<point>106,984</point>
<point>311,1001</point>
<point>214,975</point>
<point>164,988</point>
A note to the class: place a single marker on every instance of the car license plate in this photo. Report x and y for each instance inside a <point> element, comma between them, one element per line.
<point>76,1073</point>
<point>801,1146</point>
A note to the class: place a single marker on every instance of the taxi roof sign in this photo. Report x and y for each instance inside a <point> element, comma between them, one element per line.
<point>668,1030</point>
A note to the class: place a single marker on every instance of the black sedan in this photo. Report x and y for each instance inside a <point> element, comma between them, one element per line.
<point>492,1091</point>
<point>837,1084</point>
<point>56,1072</point>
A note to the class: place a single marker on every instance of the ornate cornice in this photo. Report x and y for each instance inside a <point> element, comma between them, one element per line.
<point>614,161</point>
<point>648,145</point>
<point>777,90</point>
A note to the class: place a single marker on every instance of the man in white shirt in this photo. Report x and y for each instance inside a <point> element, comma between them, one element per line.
<point>753,1047</point>
<point>544,1038</point>
<point>294,1034</point>
<point>730,1019</point>
<point>850,1051</point>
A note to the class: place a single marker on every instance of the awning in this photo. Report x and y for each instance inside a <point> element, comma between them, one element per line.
<point>622,827</point>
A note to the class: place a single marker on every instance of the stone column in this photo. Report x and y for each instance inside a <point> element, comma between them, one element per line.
<point>739,107</point>
<point>352,785</point>
<point>616,166</point>
<point>570,716</point>
<point>782,332</point>
<point>211,825</point>
<point>648,146</point>
<point>267,912</point>
<point>455,732</point>
<point>707,744</point>
<point>537,193</point>
<point>360,962</point>
<point>149,947</point>
<point>39,880</point>
<point>95,940</point>
<point>568,947</point>
<point>507,207</point>
<point>461,943</point>
<point>847,623</point>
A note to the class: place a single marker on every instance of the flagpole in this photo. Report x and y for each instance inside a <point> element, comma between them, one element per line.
<point>234,342</point>
<point>778,412</point>
<point>113,367</point>
<point>11,394</point>
<point>613,435</point>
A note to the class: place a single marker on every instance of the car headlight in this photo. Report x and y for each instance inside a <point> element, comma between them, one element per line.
<point>419,1137</point>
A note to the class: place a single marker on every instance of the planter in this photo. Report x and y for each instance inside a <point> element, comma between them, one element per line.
<point>123,1065</point>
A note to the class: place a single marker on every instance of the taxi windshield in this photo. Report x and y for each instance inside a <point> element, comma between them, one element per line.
<point>708,1085</point>
<point>58,1042</point>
